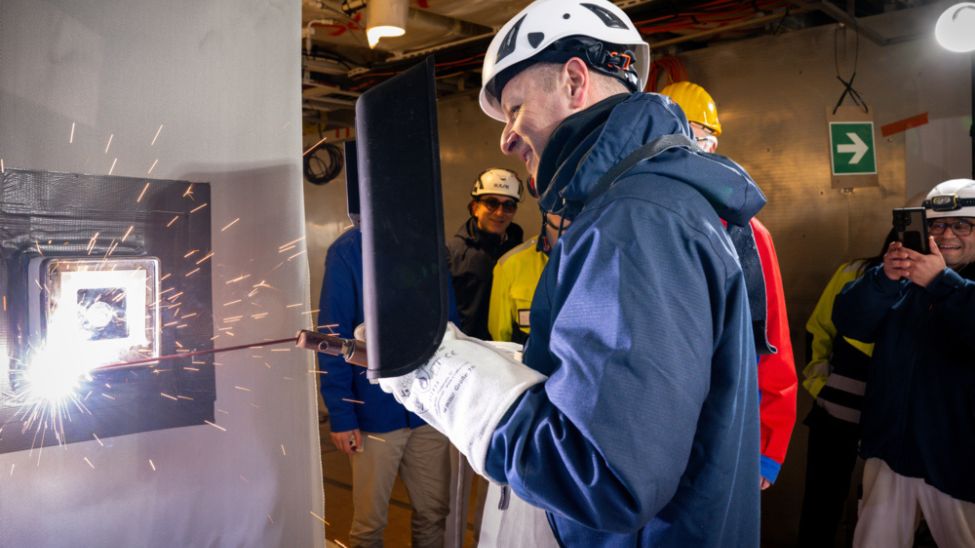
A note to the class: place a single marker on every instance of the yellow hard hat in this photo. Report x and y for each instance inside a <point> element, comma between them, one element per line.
<point>696,103</point>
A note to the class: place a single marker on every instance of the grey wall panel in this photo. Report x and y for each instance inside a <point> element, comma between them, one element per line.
<point>222,77</point>
<point>469,144</point>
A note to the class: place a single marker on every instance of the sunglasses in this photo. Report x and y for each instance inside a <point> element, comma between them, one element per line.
<point>509,206</point>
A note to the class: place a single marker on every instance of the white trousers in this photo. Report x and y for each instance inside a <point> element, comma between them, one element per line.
<point>893,505</point>
<point>520,525</point>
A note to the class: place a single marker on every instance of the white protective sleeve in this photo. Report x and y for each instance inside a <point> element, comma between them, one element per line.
<point>464,390</point>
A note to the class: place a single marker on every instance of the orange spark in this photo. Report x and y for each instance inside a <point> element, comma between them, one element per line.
<point>199,207</point>
<point>217,426</point>
<point>91,242</point>
<point>174,219</point>
<point>292,242</point>
<point>156,136</point>
<point>142,194</point>
<point>232,223</point>
<point>205,258</point>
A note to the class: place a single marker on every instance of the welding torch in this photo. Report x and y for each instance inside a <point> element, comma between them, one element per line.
<point>351,350</point>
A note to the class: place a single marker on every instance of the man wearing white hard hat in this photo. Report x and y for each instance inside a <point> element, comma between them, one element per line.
<point>918,421</point>
<point>480,242</point>
<point>633,420</point>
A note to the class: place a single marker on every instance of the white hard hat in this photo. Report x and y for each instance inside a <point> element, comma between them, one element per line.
<point>536,33</point>
<point>498,181</point>
<point>954,198</point>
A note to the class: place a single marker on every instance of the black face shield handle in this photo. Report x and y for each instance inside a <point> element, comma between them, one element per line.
<point>404,254</point>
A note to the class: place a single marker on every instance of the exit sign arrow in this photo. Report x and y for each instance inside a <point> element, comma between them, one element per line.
<point>858,148</point>
<point>852,148</point>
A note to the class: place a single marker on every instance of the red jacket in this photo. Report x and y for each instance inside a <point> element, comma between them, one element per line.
<point>777,382</point>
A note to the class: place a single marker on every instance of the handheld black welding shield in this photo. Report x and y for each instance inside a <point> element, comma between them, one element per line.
<point>404,255</point>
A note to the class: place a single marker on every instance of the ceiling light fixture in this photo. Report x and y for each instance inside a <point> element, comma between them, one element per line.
<point>955,29</point>
<point>385,19</point>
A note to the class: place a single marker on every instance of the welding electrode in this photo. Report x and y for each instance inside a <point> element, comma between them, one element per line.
<point>353,351</point>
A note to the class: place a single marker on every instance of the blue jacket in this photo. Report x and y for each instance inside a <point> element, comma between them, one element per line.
<point>344,385</point>
<point>646,432</point>
<point>919,407</point>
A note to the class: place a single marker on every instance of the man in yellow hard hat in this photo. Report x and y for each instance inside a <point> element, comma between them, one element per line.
<point>777,381</point>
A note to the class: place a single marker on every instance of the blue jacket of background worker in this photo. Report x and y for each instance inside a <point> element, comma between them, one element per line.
<point>919,407</point>
<point>646,432</point>
<point>344,386</point>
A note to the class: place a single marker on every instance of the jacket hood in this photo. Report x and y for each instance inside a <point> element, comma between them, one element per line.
<point>631,123</point>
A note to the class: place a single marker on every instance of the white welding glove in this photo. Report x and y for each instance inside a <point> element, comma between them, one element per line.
<point>464,390</point>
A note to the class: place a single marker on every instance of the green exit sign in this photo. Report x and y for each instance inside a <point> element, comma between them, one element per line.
<point>852,148</point>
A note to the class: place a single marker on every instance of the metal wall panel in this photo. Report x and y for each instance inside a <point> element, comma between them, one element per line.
<point>222,78</point>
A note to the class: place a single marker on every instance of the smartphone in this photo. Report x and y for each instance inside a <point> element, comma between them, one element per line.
<point>911,226</point>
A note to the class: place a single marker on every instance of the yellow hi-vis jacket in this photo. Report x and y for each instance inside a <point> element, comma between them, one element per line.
<point>820,326</point>
<point>515,278</point>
